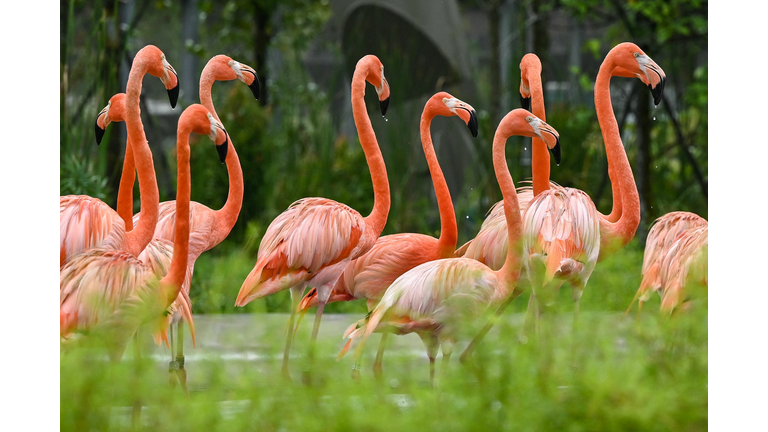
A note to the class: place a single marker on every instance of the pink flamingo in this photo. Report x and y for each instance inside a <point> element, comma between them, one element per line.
<point>435,298</point>
<point>369,276</point>
<point>490,244</point>
<point>208,227</point>
<point>663,234</point>
<point>685,265</point>
<point>107,284</point>
<point>315,238</point>
<point>564,234</point>
<point>88,222</point>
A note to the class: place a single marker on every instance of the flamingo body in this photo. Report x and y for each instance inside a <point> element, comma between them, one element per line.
<point>490,244</point>
<point>686,263</point>
<point>310,242</point>
<point>86,223</point>
<point>662,235</point>
<point>561,230</point>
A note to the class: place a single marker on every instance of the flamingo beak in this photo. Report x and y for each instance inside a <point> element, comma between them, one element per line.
<point>525,102</point>
<point>658,91</point>
<point>556,152</point>
<point>173,95</point>
<point>99,134</point>
<point>384,105</point>
<point>473,123</point>
<point>222,149</point>
<point>254,86</point>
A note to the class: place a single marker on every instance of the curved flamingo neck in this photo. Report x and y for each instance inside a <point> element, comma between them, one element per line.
<point>539,153</point>
<point>510,271</point>
<point>125,190</point>
<point>137,239</point>
<point>622,179</point>
<point>173,280</point>
<point>226,217</point>
<point>381,200</point>
<point>449,232</point>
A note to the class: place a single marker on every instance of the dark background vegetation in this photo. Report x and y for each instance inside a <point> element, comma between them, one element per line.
<point>298,139</point>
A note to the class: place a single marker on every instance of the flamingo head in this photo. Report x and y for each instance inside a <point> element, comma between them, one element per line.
<point>227,69</point>
<point>527,124</point>
<point>632,62</point>
<point>202,122</point>
<point>530,64</point>
<point>447,105</point>
<point>159,67</point>
<point>113,112</point>
<point>375,76</point>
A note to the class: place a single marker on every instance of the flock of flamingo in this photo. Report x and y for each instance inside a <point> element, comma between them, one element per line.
<point>120,271</point>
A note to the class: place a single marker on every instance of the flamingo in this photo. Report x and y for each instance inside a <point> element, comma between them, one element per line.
<point>661,237</point>
<point>687,259</point>
<point>369,276</point>
<point>564,234</point>
<point>490,244</point>
<point>437,298</point>
<point>208,227</point>
<point>105,287</point>
<point>315,238</point>
<point>87,222</point>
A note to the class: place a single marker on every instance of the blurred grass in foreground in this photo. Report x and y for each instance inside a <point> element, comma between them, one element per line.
<point>623,374</point>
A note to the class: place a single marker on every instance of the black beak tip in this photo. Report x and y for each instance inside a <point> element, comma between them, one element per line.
<point>473,123</point>
<point>556,152</point>
<point>222,150</point>
<point>99,134</point>
<point>384,106</point>
<point>657,92</point>
<point>525,102</point>
<point>255,87</point>
<point>173,96</point>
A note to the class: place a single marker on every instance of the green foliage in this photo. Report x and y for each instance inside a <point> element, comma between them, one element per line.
<point>78,177</point>
<point>614,374</point>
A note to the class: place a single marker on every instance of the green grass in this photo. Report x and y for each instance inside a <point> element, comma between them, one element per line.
<point>644,374</point>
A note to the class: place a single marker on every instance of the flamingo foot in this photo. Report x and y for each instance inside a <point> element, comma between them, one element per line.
<point>182,374</point>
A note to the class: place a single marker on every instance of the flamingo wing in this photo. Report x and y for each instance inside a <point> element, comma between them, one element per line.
<point>430,290</point>
<point>561,224</point>
<point>201,226</point>
<point>94,283</point>
<point>311,235</point>
<point>686,258</point>
<point>491,243</point>
<point>664,232</point>
<point>86,223</point>
<point>369,275</point>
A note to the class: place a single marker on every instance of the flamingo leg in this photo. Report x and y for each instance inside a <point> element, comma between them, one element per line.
<point>323,293</point>
<point>296,294</point>
<point>430,342</point>
<point>182,372</point>
<point>491,322</point>
<point>173,365</point>
<point>377,369</point>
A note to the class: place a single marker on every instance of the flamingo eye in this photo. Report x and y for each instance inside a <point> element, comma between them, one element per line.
<point>529,119</point>
<point>636,54</point>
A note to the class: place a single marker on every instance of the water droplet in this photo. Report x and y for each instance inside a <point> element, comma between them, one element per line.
<point>525,148</point>
<point>654,118</point>
<point>467,216</point>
